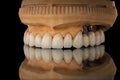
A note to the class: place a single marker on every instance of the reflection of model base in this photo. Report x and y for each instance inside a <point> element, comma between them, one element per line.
<point>99,69</point>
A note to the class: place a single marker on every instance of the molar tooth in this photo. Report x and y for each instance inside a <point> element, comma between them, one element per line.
<point>57,56</point>
<point>97,40</point>
<point>77,55</point>
<point>91,54</point>
<point>102,38</point>
<point>85,40</point>
<point>38,40</point>
<point>31,40</point>
<point>78,40</point>
<point>91,36</point>
<point>26,37</point>
<point>26,51</point>
<point>85,53</point>
<point>68,41</point>
<point>31,52</point>
<point>46,41</point>
<point>46,55</point>
<point>57,41</point>
<point>38,54</point>
<point>67,56</point>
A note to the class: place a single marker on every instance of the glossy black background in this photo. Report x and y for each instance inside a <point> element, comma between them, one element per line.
<point>15,30</point>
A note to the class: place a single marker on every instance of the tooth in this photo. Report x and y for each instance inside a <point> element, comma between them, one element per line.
<point>68,41</point>
<point>67,56</point>
<point>57,56</point>
<point>38,54</point>
<point>26,38</point>
<point>97,35</point>
<point>77,55</point>
<point>31,40</point>
<point>46,41</point>
<point>38,40</point>
<point>31,52</point>
<point>85,40</point>
<point>46,55</point>
<point>102,38</point>
<point>91,54</point>
<point>57,41</point>
<point>102,50</point>
<point>97,52</point>
<point>78,40</point>
<point>85,53</point>
<point>26,51</point>
<point>91,36</point>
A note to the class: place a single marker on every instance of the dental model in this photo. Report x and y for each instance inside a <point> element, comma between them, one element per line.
<point>66,23</point>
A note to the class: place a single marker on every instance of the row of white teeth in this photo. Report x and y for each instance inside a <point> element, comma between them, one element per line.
<point>58,55</point>
<point>47,41</point>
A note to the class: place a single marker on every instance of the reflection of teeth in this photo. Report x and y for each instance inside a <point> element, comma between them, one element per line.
<point>68,41</point>
<point>46,41</point>
<point>78,40</point>
<point>31,52</point>
<point>97,52</point>
<point>57,56</point>
<point>46,55</point>
<point>85,53</point>
<point>85,40</point>
<point>67,56</point>
<point>102,50</point>
<point>57,41</point>
<point>91,38</point>
<point>97,35</point>
<point>38,41</point>
<point>26,37</point>
<point>31,39</point>
<point>91,54</point>
<point>37,54</point>
<point>77,54</point>
<point>102,38</point>
<point>26,51</point>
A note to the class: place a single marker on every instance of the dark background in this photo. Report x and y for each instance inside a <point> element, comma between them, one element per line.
<point>13,44</point>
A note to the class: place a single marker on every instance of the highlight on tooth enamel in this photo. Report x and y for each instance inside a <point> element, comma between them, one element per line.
<point>78,40</point>
<point>31,40</point>
<point>46,55</point>
<point>57,41</point>
<point>97,35</point>
<point>46,41</point>
<point>38,40</point>
<point>92,54</point>
<point>85,40</point>
<point>38,54</point>
<point>91,36</point>
<point>68,56</point>
<point>57,55</point>
<point>68,41</point>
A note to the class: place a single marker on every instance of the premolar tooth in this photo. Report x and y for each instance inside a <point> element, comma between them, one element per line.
<point>31,52</point>
<point>57,56</point>
<point>46,55</point>
<point>31,40</point>
<point>102,50</point>
<point>78,40</point>
<point>38,40</point>
<point>46,41</point>
<point>97,40</point>
<point>68,41</point>
<point>67,56</point>
<point>85,53</point>
<point>26,51</point>
<point>38,54</point>
<point>91,54</point>
<point>85,40</point>
<point>91,38</point>
<point>97,52</point>
<point>102,38</point>
<point>77,54</point>
<point>57,41</point>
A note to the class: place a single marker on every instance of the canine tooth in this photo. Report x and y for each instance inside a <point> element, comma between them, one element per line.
<point>97,52</point>
<point>38,40</point>
<point>26,51</point>
<point>46,41</point>
<point>78,40</point>
<point>57,56</point>
<point>31,52</point>
<point>85,53</point>
<point>97,35</point>
<point>91,54</point>
<point>38,54</point>
<point>77,55</point>
<point>57,41</point>
<point>102,50</point>
<point>68,41</point>
<point>31,40</point>
<point>102,38</point>
<point>26,38</point>
<point>91,36</point>
<point>67,56</point>
<point>85,40</point>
